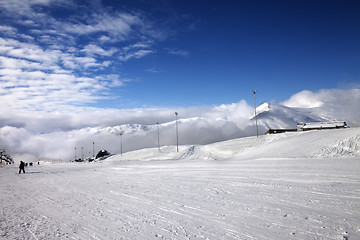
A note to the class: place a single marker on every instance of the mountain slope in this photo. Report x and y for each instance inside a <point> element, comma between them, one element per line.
<point>272,116</point>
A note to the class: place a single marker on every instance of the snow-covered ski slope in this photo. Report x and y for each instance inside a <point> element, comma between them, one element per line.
<point>312,144</point>
<point>286,186</point>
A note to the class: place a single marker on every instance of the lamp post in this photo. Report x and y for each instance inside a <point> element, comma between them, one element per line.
<point>75,153</point>
<point>158,135</point>
<point>121,144</point>
<point>93,150</point>
<point>82,153</point>
<point>177,136</point>
<point>257,131</point>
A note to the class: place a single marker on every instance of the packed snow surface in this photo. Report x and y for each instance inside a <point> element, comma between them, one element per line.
<point>286,186</point>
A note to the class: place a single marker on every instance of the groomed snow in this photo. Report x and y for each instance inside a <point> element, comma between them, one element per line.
<point>286,186</point>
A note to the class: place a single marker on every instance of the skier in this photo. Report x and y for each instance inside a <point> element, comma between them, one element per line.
<point>22,167</point>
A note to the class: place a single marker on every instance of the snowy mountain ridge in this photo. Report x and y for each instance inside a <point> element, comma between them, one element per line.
<point>269,116</point>
<point>208,129</point>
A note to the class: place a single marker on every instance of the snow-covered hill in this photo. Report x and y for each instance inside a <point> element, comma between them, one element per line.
<point>311,144</point>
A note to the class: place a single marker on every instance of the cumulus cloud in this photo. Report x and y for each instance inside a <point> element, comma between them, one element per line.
<point>333,104</point>
<point>305,99</point>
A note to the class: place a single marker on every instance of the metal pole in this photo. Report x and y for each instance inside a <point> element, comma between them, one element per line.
<point>177,135</point>
<point>82,153</point>
<point>158,135</point>
<point>257,131</point>
<point>75,153</point>
<point>121,145</point>
<point>94,150</point>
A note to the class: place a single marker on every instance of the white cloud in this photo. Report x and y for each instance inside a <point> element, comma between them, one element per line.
<point>16,8</point>
<point>120,25</point>
<point>7,63</point>
<point>137,50</point>
<point>29,89</point>
<point>178,52</point>
<point>112,80</point>
<point>305,99</point>
<point>136,54</point>
<point>309,99</point>
<point>104,39</point>
<point>137,46</point>
<point>334,104</point>
<point>92,49</point>
<point>8,29</point>
<point>16,49</point>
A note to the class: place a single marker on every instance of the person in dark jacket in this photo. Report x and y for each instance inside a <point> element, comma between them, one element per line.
<point>22,167</point>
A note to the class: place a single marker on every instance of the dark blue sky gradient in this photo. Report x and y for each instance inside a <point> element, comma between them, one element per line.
<point>277,47</point>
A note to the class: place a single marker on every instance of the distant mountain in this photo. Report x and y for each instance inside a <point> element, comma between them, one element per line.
<point>269,116</point>
<point>205,130</point>
<point>274,116</point>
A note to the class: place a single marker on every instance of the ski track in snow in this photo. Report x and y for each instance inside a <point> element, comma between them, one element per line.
<point>194,197</point>
<point>256,199</point>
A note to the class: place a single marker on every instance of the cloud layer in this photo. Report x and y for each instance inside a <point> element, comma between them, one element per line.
<point>56,136</point>
<point>53,135</point>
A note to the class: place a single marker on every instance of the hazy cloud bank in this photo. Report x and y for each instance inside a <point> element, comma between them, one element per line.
<point>55,135</point>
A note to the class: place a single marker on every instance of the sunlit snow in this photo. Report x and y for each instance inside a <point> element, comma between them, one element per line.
<point>286,186</point>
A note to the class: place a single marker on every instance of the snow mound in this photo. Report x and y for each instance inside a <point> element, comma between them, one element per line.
<point>349,147</point>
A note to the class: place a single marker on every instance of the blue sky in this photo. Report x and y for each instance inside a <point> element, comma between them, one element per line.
<point>68,68</point>
<point>57,55</point>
